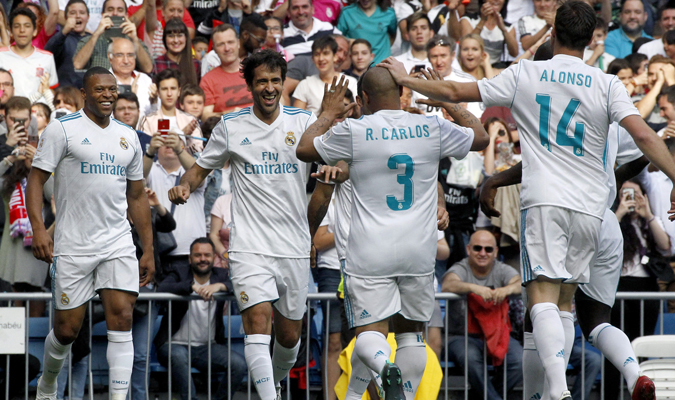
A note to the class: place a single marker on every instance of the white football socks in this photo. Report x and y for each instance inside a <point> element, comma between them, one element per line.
<point>411,358</point>
<point>54,355</point>
<point>614,345</point>
<point>567,319</point>
<point>373,350</point>
<point>358,380</point>
<point>533,371</point>
<point>549,338</point>
<point>257,354</point>
<point>283,360</point>
<point>120,361</point>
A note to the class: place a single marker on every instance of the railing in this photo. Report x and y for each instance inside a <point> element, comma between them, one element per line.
<point>153,298</point>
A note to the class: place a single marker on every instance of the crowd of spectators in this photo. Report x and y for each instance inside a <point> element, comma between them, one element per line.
<point>177,64</point>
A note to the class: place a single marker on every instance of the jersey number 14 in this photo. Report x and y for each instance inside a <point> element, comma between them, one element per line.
<point>561,137</point>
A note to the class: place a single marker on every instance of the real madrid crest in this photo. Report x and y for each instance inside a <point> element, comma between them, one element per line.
<point>64,299</point>
<point>123,143</point>
<point>290,139</point>
<point>243,297</point>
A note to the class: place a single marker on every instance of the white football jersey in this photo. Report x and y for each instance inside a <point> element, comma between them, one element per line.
<point>342,204</point>
<point>393,166</point>
<point>621,149</point>
<point>91,167</point>
<point>269,203</point>
<point>563,108</point>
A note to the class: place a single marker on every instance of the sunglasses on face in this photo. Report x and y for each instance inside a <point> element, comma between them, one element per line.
<point>488,249</point>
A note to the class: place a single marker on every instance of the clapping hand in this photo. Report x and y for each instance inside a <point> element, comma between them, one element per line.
<point>333,98</point>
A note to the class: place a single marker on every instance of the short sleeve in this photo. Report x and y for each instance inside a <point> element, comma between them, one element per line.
<point>342,24</point>
<point>53,76</point>
<point>135,168</point>
<point>506,273</point>
<point>301,90</point>
<point>221,208</point>
<point>459,270</point>
<point>500,90</point>
<point>336,144</point>
<point>522,28</point>
<point>52,147</point>
<point>620,104</point>
<point>216,152</point>
<point>628,150</point>
<point>209,96</point>
<point>456,140</point>
<point>391,27</point>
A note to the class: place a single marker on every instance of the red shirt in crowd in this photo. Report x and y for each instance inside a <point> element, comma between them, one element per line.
<point>225,91</point>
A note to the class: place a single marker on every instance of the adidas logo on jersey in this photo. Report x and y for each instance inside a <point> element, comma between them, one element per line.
<point>535,396</point>
<point>365,314</point>
<point>538,268</point>
<point>245,142</point>
<point>628,361</point>
<point>561,353</point>
<point>85,141</point>
<point>407,386</point>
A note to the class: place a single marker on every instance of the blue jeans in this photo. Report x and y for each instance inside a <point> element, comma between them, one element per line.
<point>139,333</point>
<point>79,370</point>
<point>593,364</point>
<point>514,365</point>
<point>199,357</point>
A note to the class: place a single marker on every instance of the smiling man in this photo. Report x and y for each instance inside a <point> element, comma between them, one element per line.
<point>632,20</point>
<point>269,261</point>
<point>97,166</point>
<point>64,42</point>
<point>122,56</point>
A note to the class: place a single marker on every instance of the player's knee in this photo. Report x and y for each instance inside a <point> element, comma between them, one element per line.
<point>66,333</point>
<point>257,320</point>
<point>287,337</point>
<point>120,318</point>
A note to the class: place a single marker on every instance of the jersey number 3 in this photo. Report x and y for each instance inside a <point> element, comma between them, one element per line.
<point>404,179</point>
<point>561,137</point>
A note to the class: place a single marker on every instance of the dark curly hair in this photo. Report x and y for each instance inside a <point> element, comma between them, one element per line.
<point>270,58</point>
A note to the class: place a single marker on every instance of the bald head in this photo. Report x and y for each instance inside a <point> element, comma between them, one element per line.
<point>378,91</point>
<point>482,251</point>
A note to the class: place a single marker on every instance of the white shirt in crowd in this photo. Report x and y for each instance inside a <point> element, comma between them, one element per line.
<point>304,46</point>
<point>27,72</point>
<point>143,92</point>
<point>602,62</point>
<point>563,171</point>
<point>310,90</point>
<point>197,332</point>
<point>209,62</point>
<point>495,45</point>
<point>393,157</point>
<point>476,108</point>
<point>91,167</point>
<point>650,49</point>
<point>269,204</point>
<point>409,61</point>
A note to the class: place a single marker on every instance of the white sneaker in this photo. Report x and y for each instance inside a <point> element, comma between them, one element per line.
<point>44,396</point>
<point>566,395</point>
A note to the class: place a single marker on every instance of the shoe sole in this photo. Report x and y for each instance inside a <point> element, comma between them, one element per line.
<point>646,391</point>
<point>392,373</point>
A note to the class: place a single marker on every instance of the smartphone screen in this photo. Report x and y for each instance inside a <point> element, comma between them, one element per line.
<point>418,68</point>
<point>163,126</point>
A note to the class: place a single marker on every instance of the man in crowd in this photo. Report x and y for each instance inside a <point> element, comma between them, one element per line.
<point>64,43</point>
<point>667,23</point>
<point>362,56</point>
<point>632,20</point>
<point>127,111</point>
<point>224,87</point>
<point>26,63</point>
<point>198,325</point>
<point>303,28</point>
<point>419,32</point>
<point>122,59</point>
<point>97,183</point>
<point>92,51</point>
<point>493,281</point>
<point>270,276</point>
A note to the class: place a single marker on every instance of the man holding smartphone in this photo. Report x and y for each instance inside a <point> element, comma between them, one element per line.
<point>18,125</point>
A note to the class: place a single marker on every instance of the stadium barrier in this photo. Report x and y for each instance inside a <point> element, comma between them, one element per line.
<point>37,329</point>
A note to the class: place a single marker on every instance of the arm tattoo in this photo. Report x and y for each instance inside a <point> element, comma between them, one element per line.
<point>316,218</point>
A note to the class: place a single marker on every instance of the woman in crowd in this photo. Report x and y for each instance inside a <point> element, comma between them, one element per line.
<point>178,53</point>
<point>42,113</point>
<point>621,68</point>
<point>495,32</point>
<point>473,59</point>
<point>68,97</point>
<point>500,154</point>
<point>46,23</point>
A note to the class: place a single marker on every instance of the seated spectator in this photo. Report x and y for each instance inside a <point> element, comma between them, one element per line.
<point>27,63</point>
<point>303,28</point>
<point>595,54</point>
<point>122,61</point>
<point>621,68</point>
<point>493,29</point>
<point>92,51</point>
<point>224,87</point>
<point>46,22</point>
<point>666,23</point>
<point>632,20</point>
<point>180,122</point>
<point>64,43</point>
<point>192,100</point>
<point>231,12</point>
<point>42,113</point>
<point>419,33</point>
<point>178,53</point>
<point>534,27</point>
<point>342,60</point>
<point>362,57</point>
<point>18,266</point>
<point>127,111</point>
<point>484,280</point>
<point>274,37</point>
<point>200,44</point>
<point>151,29</point>
<point>309,93</point>
<point>660,74</point>
<point>372,20</point>
<point>190,325</point>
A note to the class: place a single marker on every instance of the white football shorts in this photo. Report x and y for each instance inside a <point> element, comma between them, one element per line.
<point>557,243</point>
<point>76,279</point>
<point>282,281</point>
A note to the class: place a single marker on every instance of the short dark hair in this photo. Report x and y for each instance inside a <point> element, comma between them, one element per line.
<point>442,40</point>
<point>71,2</point>
<point>349,95</point>
<point>251,22</point>
<point>325,42</point>
<point>106,2</point>
<point>8,73</point>
<point>208,125</point>
<point>635,60</point>
<point>270,58</point>
<point>190,89</point>
<point>94,71</point>
<point>128,96</point>
<point>617,65</point>
<point>669,37</point>
<point>638,43</point>
<point>670,5</point>
<point>544,52</point>
<point>169,73</point>
<point>203,240</point>
<point>574,24</point>
<point>270,16</point>
<point>669,92</point>
<point>361,41</point>
<point>224,28</point>
<point>25,12</point>
<point>414,17</point>
<point>290,3</point>
<point>200,39</point>
<point>18,103</point>
<point>600,23</point>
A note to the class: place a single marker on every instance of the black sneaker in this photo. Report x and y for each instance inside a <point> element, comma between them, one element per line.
<point>392,384</point>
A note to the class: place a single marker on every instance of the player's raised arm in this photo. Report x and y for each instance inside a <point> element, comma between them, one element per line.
<point>332,108</point>
<point>43,246</point>
<point>443,91</point>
